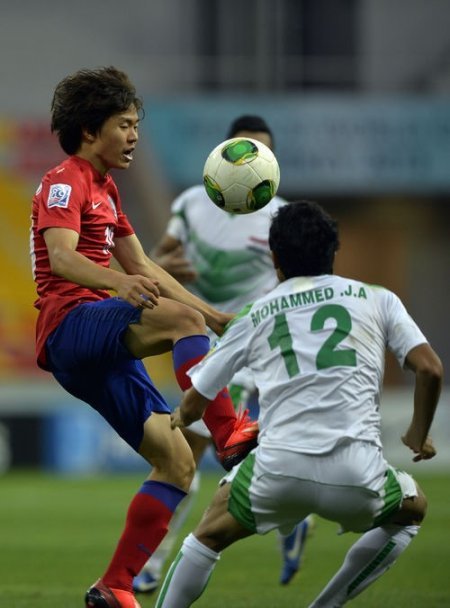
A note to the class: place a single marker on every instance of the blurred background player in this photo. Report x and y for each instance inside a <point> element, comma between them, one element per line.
<point>316,344</point>
<point>225,260</point>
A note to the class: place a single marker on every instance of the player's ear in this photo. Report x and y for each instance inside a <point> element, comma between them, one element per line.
<point>87,135</point>
<point>274,259</point>
<point>276,265</point>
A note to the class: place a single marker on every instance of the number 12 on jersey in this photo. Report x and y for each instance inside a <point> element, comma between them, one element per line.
<point>328,355</point>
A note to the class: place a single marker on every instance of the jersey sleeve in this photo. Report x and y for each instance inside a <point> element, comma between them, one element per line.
<point>177,227</point>
<point>124,228</point>
<point>60,203</point>
<point>403,334</point>
<point>227,356</point>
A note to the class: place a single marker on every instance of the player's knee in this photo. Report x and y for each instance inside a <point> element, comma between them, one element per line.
<point>197,443</point>
<point>183,473</point>
<point>413,510</point>
<point>189,322</point>
<point>172,322</point>
<point>177,469</point>
<point>420,508</point>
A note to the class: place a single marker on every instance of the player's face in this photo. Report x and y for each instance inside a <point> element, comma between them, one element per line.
<point>261,136</point>
<point>113,146</point>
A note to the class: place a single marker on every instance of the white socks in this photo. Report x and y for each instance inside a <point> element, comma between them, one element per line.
<point>369,557</point>
<point>188,575</point>
<point>365,561</point>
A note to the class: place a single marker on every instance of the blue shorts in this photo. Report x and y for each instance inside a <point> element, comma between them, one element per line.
<point>87,356</point>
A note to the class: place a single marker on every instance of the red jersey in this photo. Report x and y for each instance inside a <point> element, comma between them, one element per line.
<point>73,195</point>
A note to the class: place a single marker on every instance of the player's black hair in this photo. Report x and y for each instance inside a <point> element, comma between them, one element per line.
<point>249,122</point>
<point>304,239</point>
<point>86,99</point>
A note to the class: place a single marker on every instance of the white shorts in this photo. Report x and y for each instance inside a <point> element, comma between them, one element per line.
<point>352,485</point>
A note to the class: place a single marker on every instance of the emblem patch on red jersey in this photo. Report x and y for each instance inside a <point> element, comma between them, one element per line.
<point>59,195</point>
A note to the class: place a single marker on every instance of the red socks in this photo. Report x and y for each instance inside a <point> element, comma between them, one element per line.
<point>220,416</point>
<point>146,525</point>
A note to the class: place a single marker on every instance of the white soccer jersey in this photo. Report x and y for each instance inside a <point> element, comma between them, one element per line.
<point>230,252</point>
<point>316,348</point>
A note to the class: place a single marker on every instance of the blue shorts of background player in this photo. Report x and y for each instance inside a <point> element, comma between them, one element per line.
<point>87,356</point>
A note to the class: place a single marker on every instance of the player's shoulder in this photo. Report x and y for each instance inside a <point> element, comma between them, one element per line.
<point>241,317</point>
<point>386,296</point>
<point>58,180</point>
<point>189,197</point>
<point>343,280</point>
<point>378,294</point>
<point>379,291</point>
<point>272,206</point>
<point>66,172</point>
<point>194,191</point>
<point>72,178</point>
<point>279,201</point>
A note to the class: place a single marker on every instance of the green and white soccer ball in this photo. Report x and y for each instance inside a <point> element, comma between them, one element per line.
<point>241,175</point>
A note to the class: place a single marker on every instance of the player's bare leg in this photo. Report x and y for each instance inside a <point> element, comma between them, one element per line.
<point>179,328</point>
<point>169,455</point>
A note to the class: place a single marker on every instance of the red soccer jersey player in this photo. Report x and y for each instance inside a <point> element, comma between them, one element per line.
<point>93,343</point>
<point>94,212</point>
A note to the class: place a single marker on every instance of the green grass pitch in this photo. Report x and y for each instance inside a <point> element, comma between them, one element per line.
<point>57,535</point>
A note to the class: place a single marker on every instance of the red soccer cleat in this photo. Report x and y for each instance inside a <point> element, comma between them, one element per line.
<point>101,596</point>
<point>241,441</point>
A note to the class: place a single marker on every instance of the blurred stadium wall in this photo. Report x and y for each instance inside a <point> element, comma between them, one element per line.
<point>358,96</point>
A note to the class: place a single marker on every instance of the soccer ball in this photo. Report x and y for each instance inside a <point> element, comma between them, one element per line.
<point>241,175</point>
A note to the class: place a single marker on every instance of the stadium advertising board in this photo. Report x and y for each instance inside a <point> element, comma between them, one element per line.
<point>325,145</point>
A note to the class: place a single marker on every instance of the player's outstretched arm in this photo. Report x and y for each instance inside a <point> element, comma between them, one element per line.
<point>191,409</point>
<point>131,256</point>
<point>169,254</point>
<point>426,365</point>
<point>66,262</point>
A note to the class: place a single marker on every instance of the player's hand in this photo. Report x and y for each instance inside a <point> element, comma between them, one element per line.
<point>191,409</point>
<point>175,419</point>
<point>220,321</point>
<point>422,452</point>
<point>175,263</point>
<point>138,290</point>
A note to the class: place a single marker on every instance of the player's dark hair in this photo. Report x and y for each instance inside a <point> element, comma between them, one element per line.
<point>249,122</point>
<point>86,99</point>
<point>304,239</point>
